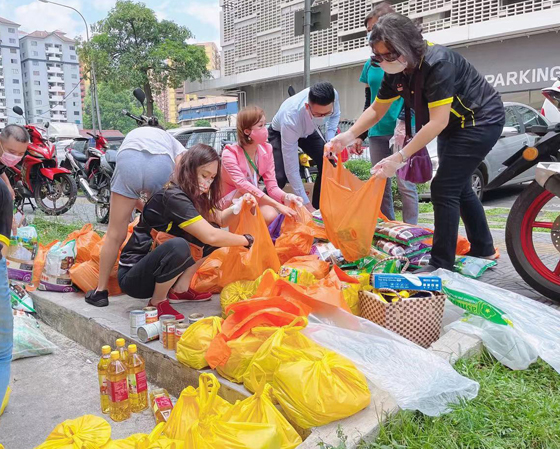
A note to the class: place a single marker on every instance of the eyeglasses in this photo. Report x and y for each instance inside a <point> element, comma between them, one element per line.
<point>389,57</point>
<point>315,114</point>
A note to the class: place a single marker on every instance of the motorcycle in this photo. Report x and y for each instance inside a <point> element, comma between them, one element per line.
<point>532,231</point>
<point>37,176</point>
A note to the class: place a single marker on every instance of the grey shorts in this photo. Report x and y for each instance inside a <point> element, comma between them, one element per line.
<point>140,172</point>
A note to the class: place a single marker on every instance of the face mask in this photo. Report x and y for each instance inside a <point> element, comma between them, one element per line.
<point>392,67</point>
<point>259,136</point>
<point>318,121</point>
<point>9,160</point>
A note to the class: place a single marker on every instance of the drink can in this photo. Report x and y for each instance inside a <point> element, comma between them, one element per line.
<point>149,332</point>
<point>163,318</point>
<point>137,319</point>
<point>194,317</point>
<point>170,333</point>
<point>180,329</point>
<point>151,314</point>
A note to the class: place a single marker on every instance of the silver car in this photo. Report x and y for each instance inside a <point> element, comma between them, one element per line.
<point>514,137</point>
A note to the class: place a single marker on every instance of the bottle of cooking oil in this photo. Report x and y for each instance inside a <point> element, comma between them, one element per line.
<point>119,406</point>
<point>123,354</point>
<point>102,375</point>
<point>137,383</point>
<point>161,404</point>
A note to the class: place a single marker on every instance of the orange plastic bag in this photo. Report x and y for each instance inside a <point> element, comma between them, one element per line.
<point>227,265</point>
<point>317,267</point>
<point>350,208</point>
<point>39,264</point>
<point>86,240</point>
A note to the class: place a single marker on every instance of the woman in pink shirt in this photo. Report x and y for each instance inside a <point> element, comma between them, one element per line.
<point>248,161</point>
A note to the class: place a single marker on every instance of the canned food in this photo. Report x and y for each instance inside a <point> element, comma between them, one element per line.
<point>137,319</point>
<point>151,314</point>
<point>194,317</point>
<point>180,329</point>
<point>163,318</point>
<point>166,326</point>
<point>170,333</point>
<point>149,332</point>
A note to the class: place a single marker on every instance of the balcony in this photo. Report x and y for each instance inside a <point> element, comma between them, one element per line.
<point>58,117</point>
<point>2,105</point>
<point>2,94</point>
<point>58,107</point>
<point>2,74</point>
<point>53,58</point>
<point>2,115</point>
<point>57,89</point>
<point>53,50</point>
<point>56,98</point>
<point>53,69</point>
<point>55,79</point>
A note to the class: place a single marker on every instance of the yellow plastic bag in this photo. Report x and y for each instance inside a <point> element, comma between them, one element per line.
<point>241,290</point>
<point>194,343</point>
<point>316,386</point>
<point>264,363</point>
<point>242,351</point>
<point>87,431</point>
<point>259,408</point>
<point>155,440</point>
<point>351,295</point>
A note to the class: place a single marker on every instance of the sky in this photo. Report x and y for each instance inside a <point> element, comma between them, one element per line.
<point>201,17</point>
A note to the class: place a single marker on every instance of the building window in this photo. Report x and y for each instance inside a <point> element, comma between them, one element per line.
<point>39,111</point>
<point>33,43</point>
<point>37,92</point>
<point>72,47</point>
<point>35,53</point>
<point>17,101</point>
<point>17,91</point>
<point>11,30</point>
<point>13,51</point>
<point>74,84</point>
<point>36,63</point>
<point>15,71</point>
<point>15,81</point>
<point>36,83</point>
<point>38,102</point>
<point>76,112</point>
<point>26,84</point>
<point>74,76</point>
<point>14,61</point>
<point>73,57</point>
<point>76,94</point>
<point>36,73</point>
<point>12,41</point>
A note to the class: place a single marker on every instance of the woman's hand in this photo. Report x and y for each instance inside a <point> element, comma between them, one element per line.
<point>387,168</point>
<point>339,142</point>
<point>237,203</point>
<point>250,199</point>
<point>287,211</point>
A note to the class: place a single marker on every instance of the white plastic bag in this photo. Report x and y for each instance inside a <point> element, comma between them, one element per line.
<point>29,340</point>
<point>415,377</point>
<point>535,324</point>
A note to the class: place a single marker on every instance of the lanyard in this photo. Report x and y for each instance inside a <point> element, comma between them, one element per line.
<point>252,163</point>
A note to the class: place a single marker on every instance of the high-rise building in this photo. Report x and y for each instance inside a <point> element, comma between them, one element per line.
<point>11,85</point>
<point>212,53</point>
<point>514,43</point>
<point>51,78</point>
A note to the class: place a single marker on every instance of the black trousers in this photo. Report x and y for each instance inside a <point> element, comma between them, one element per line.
<point>165,262</point>
<point>460,152</point>
<point>311,145</point>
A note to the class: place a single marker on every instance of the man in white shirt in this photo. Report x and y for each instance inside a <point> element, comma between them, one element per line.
<point>296,125</point>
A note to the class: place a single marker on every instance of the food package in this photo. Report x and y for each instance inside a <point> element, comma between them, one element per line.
<point>400,250</point>
<point>20,299</point>
<point>86,431</point>
<point>29,340</point>
<point>39,264</point>
<point>403,233</point>
<point>192,347</point>
<point>312,263</point>
<point>21,254</point>
<point>295,276</point>
<point>56,273</point>
<point>473,267</point>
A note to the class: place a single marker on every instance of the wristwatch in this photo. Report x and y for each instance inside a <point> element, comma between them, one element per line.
<point>250,239</point>
<point>403,156</point>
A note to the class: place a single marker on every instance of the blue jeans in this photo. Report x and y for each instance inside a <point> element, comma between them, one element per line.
<point>6,329</point>
<point>379,149</point>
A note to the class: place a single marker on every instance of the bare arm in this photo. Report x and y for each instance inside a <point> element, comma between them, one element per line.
<point>212,236</point>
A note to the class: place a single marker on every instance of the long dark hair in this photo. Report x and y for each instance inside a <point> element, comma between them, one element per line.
<point>186,178</point>
<point>402,35</point>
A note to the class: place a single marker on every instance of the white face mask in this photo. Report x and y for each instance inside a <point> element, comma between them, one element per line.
<point>392,67</point>
<point>317,121</point>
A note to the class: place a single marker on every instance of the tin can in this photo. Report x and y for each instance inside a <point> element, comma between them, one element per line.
<point>163,318</point>
<point>137,319</point>
<point>170,334</point>
<point>149,332</point>
<point>194,317</point>
<point>180,329</point>
<point>151,314</point>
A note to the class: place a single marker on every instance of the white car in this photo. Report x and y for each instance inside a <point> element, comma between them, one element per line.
<point>550,108</point>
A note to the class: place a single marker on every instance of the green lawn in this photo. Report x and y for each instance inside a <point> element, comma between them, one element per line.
<point>513,410</point>
<point>53,228</point>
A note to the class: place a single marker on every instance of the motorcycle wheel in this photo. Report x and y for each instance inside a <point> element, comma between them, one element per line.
<point>531,250</point>
<point>102,208</point>
<point>62,186</point>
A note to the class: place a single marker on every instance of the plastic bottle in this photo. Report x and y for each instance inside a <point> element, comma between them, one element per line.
<point>102,375</point>
<point>137,383</point>
<point>161,404</point>
<point>123,354</point>
<point>119,406</point>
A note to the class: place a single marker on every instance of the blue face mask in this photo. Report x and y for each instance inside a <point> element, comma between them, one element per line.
<point>318,121</point>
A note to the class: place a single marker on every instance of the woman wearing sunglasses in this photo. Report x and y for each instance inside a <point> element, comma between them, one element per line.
<point>454,103</point>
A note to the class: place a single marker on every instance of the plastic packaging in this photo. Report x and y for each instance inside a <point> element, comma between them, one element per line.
<point>192,347</point>
<point>343,197</point>
<point>537,324</point>
<point>297,276</point>
<point>29,340</point>
<point>21,254</point>
<point>161,405</point>
<point>86,240</point>
<point>235,292</point>
<point>39,264</point>
<point>473,267</point>
<point>416,378</point>
<point>102,366</point>
<point>137,381</point>
<point>56,273</point>
<point>20,299</point>
<point>117,385</point>
<point>311,263</point>
<point>86,431</point>
<point>476,305</point>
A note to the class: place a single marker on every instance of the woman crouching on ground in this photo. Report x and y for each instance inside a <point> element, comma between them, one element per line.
<point>187,209</point>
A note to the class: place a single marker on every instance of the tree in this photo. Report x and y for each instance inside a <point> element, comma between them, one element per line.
<point>131,48</point>
<point>202,122</point>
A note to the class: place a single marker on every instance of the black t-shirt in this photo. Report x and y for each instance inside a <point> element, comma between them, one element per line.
<point>6,213</point>
<point>447,77</point>
<point>170,210</point>
<point>2,168</point>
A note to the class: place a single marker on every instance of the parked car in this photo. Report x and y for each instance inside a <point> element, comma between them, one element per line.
<point>551,107</point>
<point>216,138</point>
<point>514,137</point>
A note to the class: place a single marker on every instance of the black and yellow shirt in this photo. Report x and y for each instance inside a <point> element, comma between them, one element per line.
<point>447,77</point>
<point>6,211</point>
<point>170,210</point>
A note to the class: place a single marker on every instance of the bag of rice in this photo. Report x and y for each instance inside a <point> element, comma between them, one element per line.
<point>403,233</point>
<point>397,249</point>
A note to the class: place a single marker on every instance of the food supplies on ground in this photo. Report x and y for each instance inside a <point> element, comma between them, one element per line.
<point>316,386</point>
<point>403,233</point>
<point>39,264</point>
<point>311,263</point>
<point>86,241</point>
<point>295,276</point>
<point>406,282</point>
<point>86,431</point>
<point>21,254</point>
<point>318,219</point>
<point>473,267</point>
<point>19,298</point>
<point>192,347</point>
<point>56,273</point>
<point>29,340</point>
<point>421,260</point>
<point>327,252</point>
<point>399,249</point>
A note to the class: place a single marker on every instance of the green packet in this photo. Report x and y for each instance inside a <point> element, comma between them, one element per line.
<point>476,306</point>
<point>472,267</point>
<point>368,263</point>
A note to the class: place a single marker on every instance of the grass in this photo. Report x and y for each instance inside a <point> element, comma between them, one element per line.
<point>513,410</point>
<point>52,228</point>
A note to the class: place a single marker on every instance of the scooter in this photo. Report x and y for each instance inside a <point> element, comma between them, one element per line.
<point>37,176</point>
<point>532,231</point>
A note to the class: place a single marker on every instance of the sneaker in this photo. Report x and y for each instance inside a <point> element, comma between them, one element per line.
<point>164,308</point>
<point>188,296</point>
<point>98,298</point>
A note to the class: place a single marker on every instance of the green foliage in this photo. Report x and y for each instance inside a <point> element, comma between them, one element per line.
<point>131,48</point>
<point>202,122</point>
<point>359,167</point>
<point>53,228</point>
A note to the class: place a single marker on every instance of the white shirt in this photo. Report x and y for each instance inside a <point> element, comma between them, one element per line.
<point>294,122</point>
<point>154,141</point>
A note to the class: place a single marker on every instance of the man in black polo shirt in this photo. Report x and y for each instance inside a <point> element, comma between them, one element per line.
<point>13,143</point>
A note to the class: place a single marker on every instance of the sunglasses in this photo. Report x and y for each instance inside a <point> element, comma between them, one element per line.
<point>389,57</point>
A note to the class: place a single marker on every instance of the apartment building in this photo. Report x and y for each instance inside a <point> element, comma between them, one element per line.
<point>51,78</point>
<point>11,85</point>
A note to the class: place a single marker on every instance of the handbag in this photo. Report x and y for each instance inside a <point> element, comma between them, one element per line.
<point>418,168</point>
